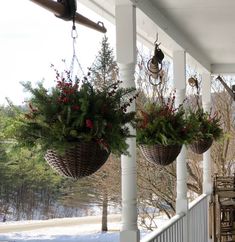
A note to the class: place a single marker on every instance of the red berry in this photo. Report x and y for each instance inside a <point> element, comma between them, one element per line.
<point>89,124</point>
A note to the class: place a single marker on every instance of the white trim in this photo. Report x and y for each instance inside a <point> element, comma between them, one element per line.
<point>223,68</point>
<point>99,9</point>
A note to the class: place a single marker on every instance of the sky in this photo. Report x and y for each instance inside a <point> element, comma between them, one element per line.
<point>32,38</point>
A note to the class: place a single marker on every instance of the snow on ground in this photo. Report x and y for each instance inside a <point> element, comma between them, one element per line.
<point>60,234</point>
<point>93,237</point>
<point>59,230</point>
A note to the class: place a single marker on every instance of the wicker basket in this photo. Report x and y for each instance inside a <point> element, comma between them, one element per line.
<point>160,154</point>
<point>201,146</point>
<point>82,159</point>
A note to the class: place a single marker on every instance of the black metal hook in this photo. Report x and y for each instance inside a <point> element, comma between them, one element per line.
<point>70,8</point>
<point>154,65</point>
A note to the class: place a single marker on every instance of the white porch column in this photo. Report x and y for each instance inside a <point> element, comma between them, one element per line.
<point>179,69</point>
<point>207,166</point>
<point>126,58</point>
<point>206,103</point>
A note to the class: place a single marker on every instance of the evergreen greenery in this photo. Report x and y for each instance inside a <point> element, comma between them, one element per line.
<point>162,123</point>
<point>75,111</point>
<point>207,125</point>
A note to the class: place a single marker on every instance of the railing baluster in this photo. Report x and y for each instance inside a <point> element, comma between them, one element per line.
<point>167,235</point>
<point>198,220</point>
<point>176,231</point>
<point>173,230</point>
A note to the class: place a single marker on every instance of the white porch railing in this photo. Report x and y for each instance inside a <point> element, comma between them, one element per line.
<point>196,222</point>
<point>172,231</point>
<point>198,219</point>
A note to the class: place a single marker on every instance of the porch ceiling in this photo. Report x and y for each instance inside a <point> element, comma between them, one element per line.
<point>207,25</point>
<point>204,28</point>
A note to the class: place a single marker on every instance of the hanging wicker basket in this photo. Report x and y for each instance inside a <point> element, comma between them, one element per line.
<point>160,154</point>
<point>201,146</point>
<point>82,159</point>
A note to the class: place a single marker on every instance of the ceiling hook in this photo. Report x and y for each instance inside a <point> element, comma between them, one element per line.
<point>156,39</point>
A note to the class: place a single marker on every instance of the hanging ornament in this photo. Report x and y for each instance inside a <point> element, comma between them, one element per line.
<point>154,65</point>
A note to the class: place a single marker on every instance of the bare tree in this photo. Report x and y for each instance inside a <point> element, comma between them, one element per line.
<point>101,189</point>
<point>223,153</point>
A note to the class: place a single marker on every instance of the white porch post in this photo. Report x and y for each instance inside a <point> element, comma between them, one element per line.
<point>207,166</point>
<point>179,70</point>
<point>126,58</point>
<point>181,169</point>
<point>206,103</point>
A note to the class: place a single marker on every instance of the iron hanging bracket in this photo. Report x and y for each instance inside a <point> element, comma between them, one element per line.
<point>70,8</point>
<point>231,91</point>
<point>58,9</point>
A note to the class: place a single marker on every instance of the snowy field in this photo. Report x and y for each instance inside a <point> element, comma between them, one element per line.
<point>85,229</point>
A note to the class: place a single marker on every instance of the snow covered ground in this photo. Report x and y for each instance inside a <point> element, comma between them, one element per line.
<point>84,229</point>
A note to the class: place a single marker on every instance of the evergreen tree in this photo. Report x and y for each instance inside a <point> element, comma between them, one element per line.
<point>28,187</point>
<point>104,69</point>
<point>105,72</point>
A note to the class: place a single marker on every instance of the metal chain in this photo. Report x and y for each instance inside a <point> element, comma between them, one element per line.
<point>74,60</point>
